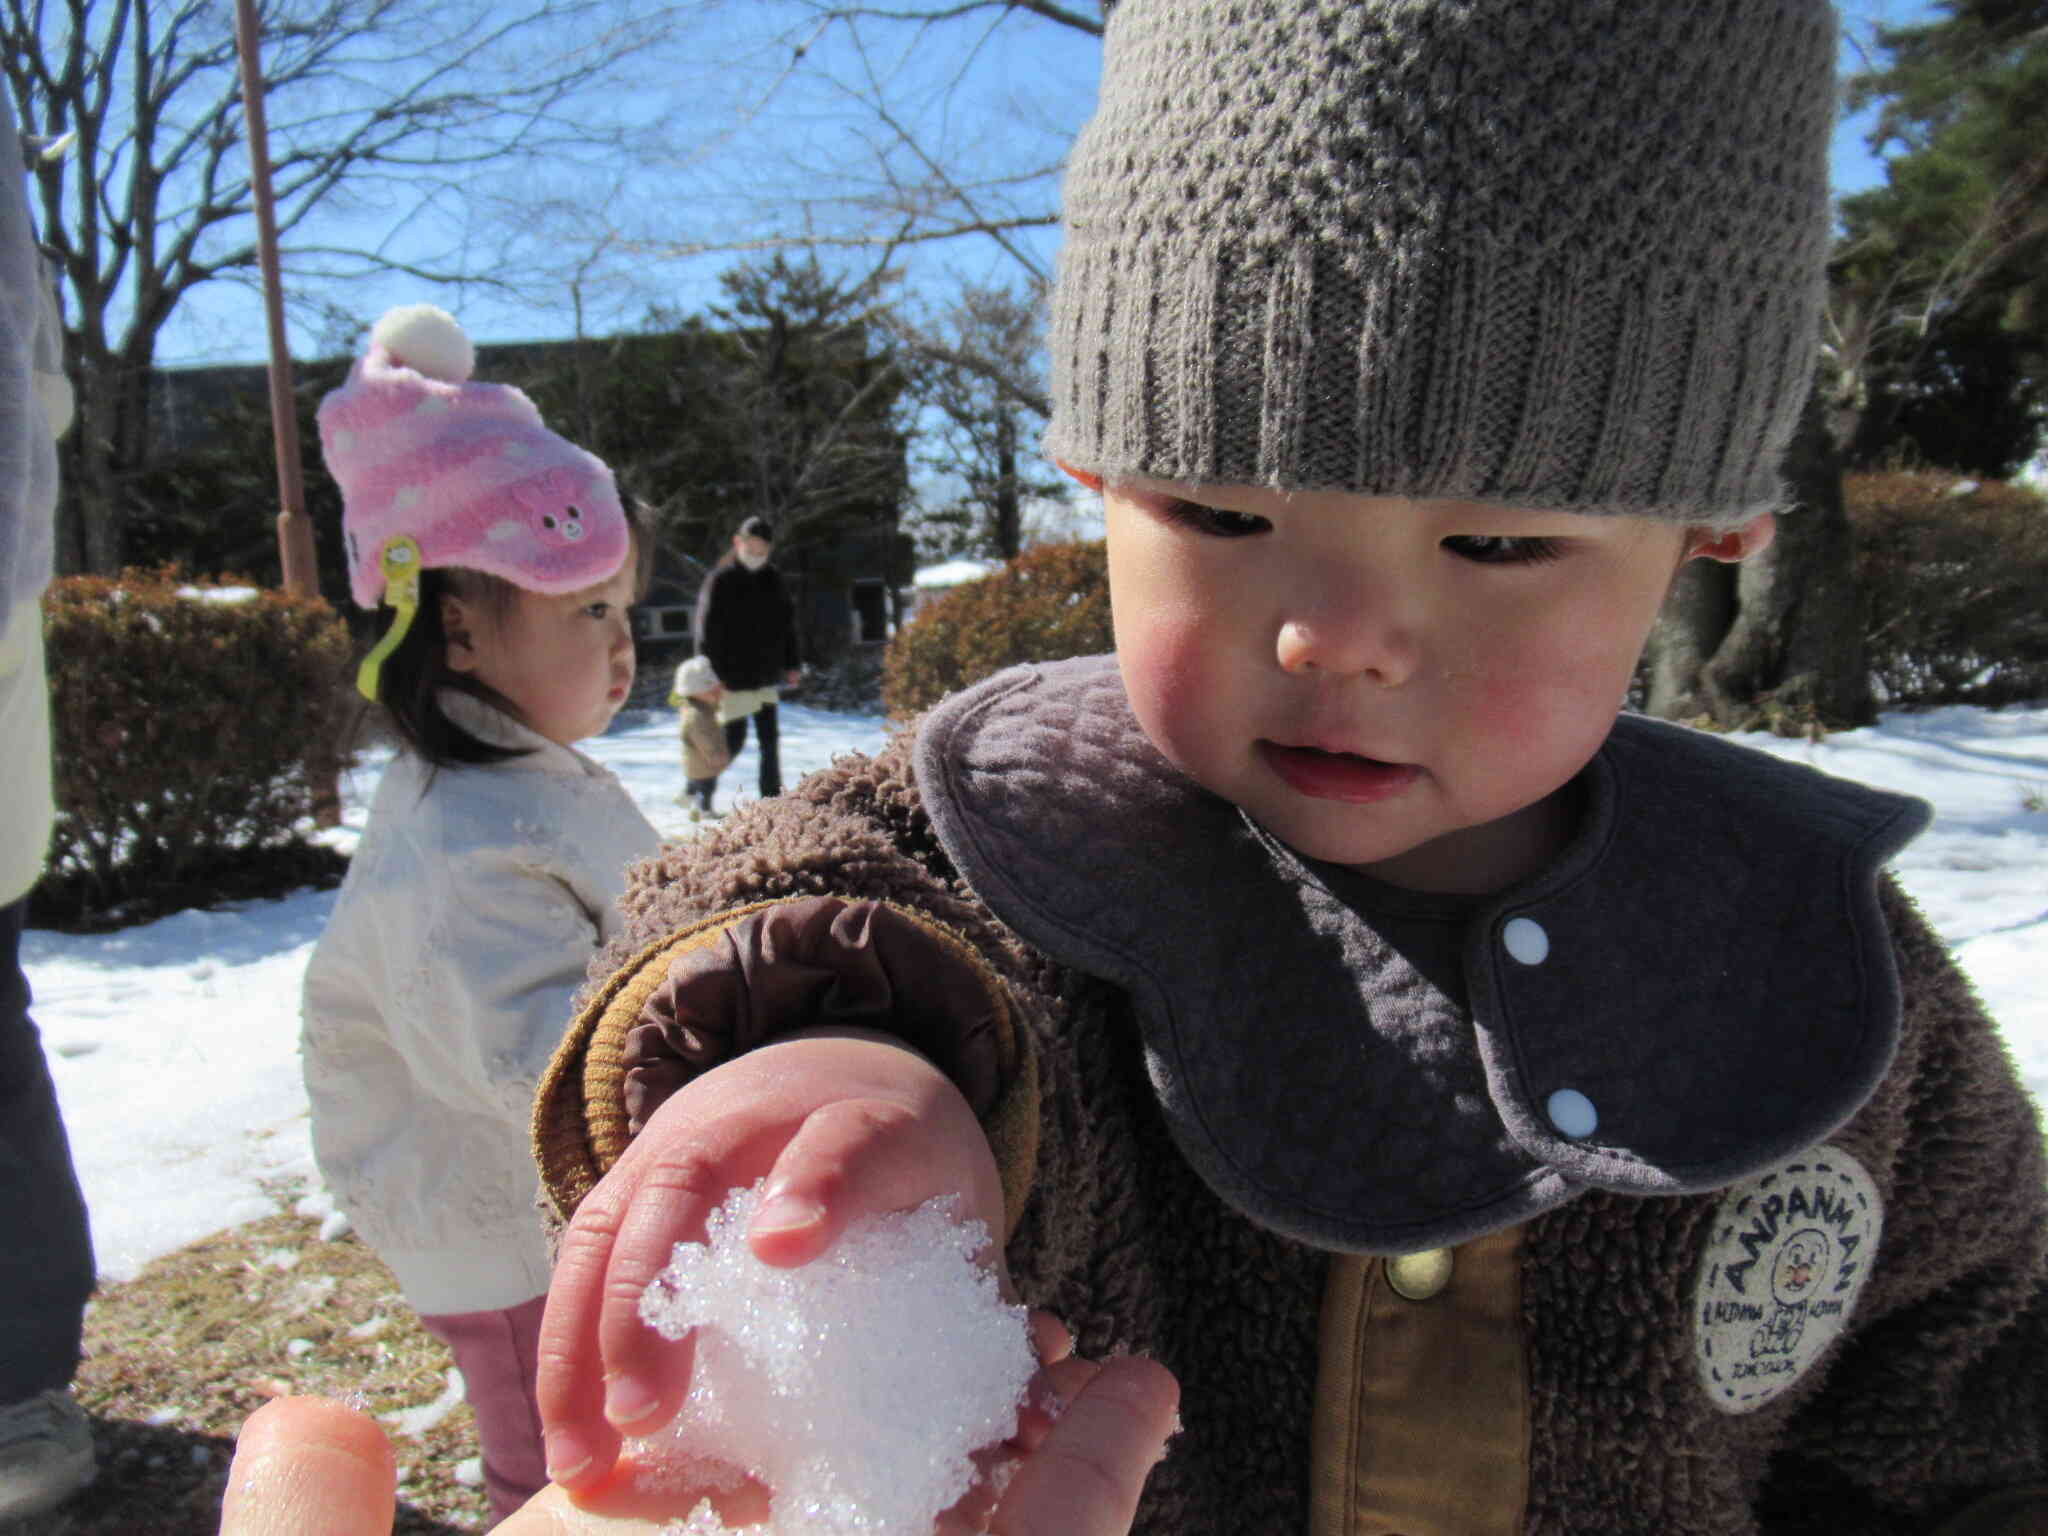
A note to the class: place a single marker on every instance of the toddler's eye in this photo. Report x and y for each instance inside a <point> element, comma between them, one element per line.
<point>1216,522</point>
<point>1502,549</point>
<point>598,610</point>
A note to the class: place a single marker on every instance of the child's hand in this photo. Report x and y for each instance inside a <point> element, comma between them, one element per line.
<point>842,1124</point>
<point>304,1465</point>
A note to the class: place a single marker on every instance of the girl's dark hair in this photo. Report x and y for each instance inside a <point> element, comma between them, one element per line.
<point>413,675</point>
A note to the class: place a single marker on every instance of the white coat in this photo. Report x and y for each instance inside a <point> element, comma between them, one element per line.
<point>475,900</point>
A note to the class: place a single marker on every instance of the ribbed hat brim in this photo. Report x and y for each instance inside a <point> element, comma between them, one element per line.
<point>1671,395</point>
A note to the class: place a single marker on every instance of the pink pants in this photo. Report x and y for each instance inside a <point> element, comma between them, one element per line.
<point>498,1354</point>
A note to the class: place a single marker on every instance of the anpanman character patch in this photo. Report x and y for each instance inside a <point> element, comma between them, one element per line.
<point>1786,1259</point>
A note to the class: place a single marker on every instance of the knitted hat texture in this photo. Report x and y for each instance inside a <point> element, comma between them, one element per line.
<point>1550,253</point>
<point>695,676</point>
<point>466,470</point>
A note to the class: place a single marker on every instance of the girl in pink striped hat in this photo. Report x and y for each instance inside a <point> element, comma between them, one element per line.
<point>503,565</point>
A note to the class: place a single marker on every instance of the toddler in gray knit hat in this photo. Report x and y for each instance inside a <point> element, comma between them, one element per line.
<point>1415,346</point>
<point>1500,1114</point>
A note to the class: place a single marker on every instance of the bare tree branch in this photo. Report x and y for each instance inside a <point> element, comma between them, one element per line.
<point>1890,317</point>
<point>929,142</point>
<point>926,15</point>
<point>382,112</point>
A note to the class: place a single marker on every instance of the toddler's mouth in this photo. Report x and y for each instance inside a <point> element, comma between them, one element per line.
<point>1337,775</point>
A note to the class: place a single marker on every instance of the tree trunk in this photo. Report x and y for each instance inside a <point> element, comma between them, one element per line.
<point>108,443</point>
<point>1009,499</point>
<point>1788,653</point>
<point>92,496</point>
<point>1697,612</point>
<point>71,555</point>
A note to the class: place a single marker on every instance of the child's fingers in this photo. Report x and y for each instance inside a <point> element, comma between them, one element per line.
<point>1053,1386</point>
<point>645,1374</point>
<point>843,1124</point>
<point>602,1369</point>
<point>305,1466</point>
<point>1050,1339</point>
<point>1086,1478</point>
<point>854,1158</point>
<point>581,1446</point>
<point>896,1134</point>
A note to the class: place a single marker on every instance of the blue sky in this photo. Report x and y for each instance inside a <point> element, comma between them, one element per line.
<point>739,141</point>
<point>1855,170</point>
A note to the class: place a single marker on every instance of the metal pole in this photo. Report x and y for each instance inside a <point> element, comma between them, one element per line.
<point>294,531</point>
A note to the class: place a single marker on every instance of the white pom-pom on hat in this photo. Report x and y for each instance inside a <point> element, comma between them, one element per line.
<point>426,339</point>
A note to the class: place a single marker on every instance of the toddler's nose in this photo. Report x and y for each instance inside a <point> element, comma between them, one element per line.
<point>1360,641</point>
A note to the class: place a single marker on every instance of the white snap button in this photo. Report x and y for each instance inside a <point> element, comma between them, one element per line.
<point>1526,940</point>
<point>1419,1276</point>
<point>1573,1113</point>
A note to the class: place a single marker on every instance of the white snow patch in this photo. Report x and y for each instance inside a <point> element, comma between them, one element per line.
<point>417,1420</point>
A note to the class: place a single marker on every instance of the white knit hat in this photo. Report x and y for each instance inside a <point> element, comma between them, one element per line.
<point>695,676</point>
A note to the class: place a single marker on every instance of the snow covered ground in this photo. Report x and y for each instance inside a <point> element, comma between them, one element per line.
<point>174,1045</point>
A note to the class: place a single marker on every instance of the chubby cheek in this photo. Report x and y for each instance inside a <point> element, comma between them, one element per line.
<point>1545,714</point>
<point>1170,673</point>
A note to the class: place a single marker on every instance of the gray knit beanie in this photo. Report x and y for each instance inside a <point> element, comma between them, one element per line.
<point>1550,253</point>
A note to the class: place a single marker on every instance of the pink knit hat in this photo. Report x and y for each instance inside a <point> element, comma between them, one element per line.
<point>466,472</point>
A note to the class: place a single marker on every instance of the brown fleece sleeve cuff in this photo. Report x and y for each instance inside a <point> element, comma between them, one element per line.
<point>707,993</point>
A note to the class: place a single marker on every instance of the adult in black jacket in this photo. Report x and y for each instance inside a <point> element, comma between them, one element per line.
<point>746,626</point>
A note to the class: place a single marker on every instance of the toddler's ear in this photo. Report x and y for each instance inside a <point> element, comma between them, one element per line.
<point>462,655</point>
<point>1733,544</point>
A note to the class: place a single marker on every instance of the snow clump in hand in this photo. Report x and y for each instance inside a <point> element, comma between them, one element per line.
<point>854,1387</point>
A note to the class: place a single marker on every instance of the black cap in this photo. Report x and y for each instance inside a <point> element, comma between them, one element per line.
<point>758,528</point>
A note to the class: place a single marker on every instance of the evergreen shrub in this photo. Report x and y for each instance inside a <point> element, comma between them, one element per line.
<point>1049,603</point>
<point>191,727</point>
<point>1954,578</point>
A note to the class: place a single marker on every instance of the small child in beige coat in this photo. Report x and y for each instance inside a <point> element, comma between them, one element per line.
<point>697,693</point>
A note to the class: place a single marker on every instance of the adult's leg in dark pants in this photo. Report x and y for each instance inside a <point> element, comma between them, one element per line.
<point>768,733</point>
<point>735,736</point>
<point>46,1265</point>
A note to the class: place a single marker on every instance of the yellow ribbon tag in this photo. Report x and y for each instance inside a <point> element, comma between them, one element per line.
<point>401,563</point>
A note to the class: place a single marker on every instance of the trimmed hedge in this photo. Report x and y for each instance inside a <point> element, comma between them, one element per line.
<point>1954,578</point>
<point>1047,604</point>
<point>183,718</point>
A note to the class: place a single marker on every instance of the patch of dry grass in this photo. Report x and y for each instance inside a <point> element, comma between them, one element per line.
<point>177,1358</point>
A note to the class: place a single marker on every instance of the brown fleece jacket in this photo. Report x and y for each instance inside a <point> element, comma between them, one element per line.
<point>1922,1398</point>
